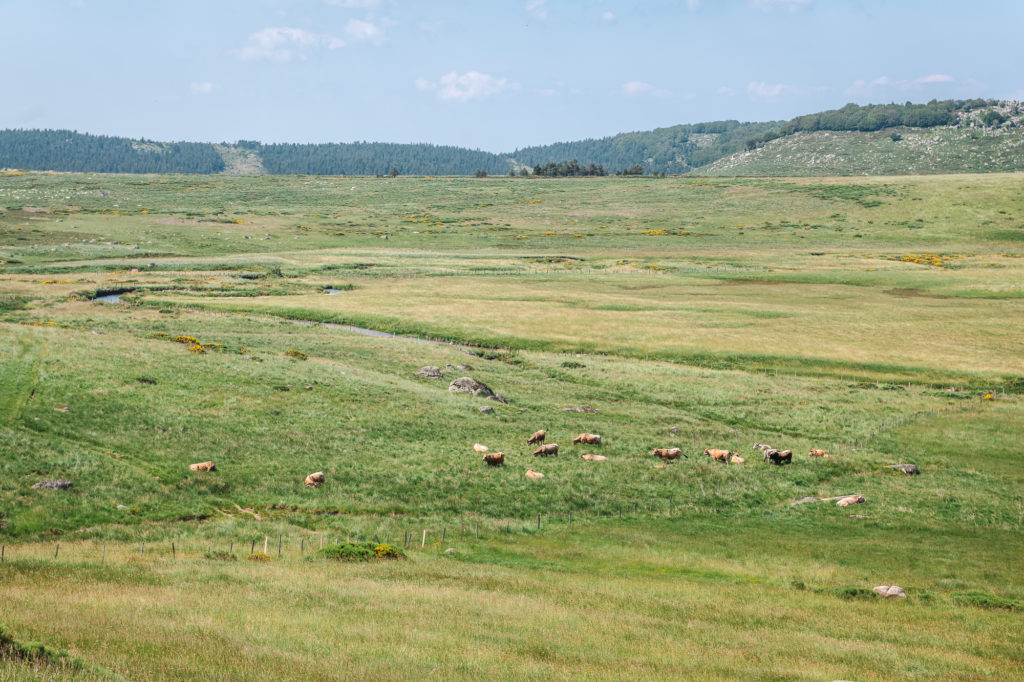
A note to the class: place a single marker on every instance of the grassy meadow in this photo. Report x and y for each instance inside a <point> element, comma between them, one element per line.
<point>877,318</point>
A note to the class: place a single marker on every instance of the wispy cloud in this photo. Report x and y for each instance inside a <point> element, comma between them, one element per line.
<point>692,4</point>
<point>725,90</point>
<point>363,30</point>
<point>634,88</point>
<point>283,44</point>
<point>462,87</point>
<point>608,16</point>
<point>762,89</point>
<point>354,4</point>
<point>779,5</point>
<point>537,9</point>
<point>204,88</point>
<point>935,78</point>
<point>867,88</point>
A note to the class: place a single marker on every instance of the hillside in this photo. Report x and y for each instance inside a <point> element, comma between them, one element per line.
<point>950,136</point>
<point>987,139</point>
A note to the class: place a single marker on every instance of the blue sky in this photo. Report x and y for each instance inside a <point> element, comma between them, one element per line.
<point>487,74</point>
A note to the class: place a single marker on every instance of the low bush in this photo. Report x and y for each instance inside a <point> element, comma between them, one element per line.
<point>359,551</point>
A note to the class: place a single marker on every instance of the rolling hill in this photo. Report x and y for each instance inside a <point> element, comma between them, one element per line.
<point>951,136</point>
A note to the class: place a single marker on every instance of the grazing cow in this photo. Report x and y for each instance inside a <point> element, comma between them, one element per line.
<point>778,456</point>
<point>203,466</point>
<point>668,453</point>
<point>494,459</point>
<point>593,458</point>
<point>537,437</point>
<point>315,480</point>
<point>530,473</point>
<point>587,439</point>
<point>718,455</point>
<point>480,448</point>
<point>545,450</point>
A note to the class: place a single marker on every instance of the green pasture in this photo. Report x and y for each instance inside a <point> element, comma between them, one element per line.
<point>877,318</point>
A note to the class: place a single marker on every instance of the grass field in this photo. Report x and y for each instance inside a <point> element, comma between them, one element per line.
<point>878,318</point>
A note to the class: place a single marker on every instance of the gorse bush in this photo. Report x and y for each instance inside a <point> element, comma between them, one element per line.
<point>359,551</point>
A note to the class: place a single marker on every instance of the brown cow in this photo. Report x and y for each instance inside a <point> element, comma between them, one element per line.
<point>593,458</point>
<point>494,459</point>
<point>734,458</point>
<point>480,448</point>
<point>530,473</point>
<point>718,455</point>
<point>544,450</point>
<point>587,439</point>
<point>537,437</point>
<point>668,453</point>
<point>203,466</point>
<point>850,499</point>
<point>315,480</point>
<point>818,452</point>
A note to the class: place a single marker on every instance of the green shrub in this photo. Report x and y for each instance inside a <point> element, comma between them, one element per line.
<point>359,551</point>
<point>258,556</point>
<point>296,355</point>
<point>851,592</point>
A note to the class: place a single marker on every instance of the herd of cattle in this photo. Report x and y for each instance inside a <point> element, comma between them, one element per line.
<point>495,459</point>
<point>769,454</point>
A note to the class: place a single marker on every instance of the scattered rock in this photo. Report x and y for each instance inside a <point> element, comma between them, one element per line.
<point>465,368</point>
<point>910,469</point>
<point>450,550</point>
<point>500,398</point>
<point>582,408</point>
<point>486,409</point>
<point>889,591</point>
<point>674,429</point>
<point>429,372</point>
<point>449,366</point>
<point>857,516</point>
<point>55,484</point>
<point>469,385</point>
<point>122,506</point>
<point>806,499</point>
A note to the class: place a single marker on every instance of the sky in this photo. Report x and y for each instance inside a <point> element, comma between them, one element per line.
<point>494,75</point>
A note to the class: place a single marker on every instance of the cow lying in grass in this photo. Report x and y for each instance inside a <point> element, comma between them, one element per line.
<point>593,458</point>
<point>587,439</point>
<point>315,480</point>
<point>203,466</point>
<point>818,452</point>
<point>668,453</point>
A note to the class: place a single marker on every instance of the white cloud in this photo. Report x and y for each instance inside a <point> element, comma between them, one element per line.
<point>935,78</point>
<point>537,9</point>
<point>634,88</point>
<point>463,87</point>
<point>763,89</point>
<point>608,16</point>
<point>783,5</point>
<point>283,44</point>
<point>692,4</point>
<point>869,88</point>
<point>726,90</point>
<point>363,30</point>
<point>201,88</point>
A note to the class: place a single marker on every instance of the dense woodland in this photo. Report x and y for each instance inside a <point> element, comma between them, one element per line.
<point>64,150</point>
<point>677,149</point>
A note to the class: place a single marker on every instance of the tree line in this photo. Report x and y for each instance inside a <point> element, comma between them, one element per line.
<point>66,150</point>
<point>874,117</point>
